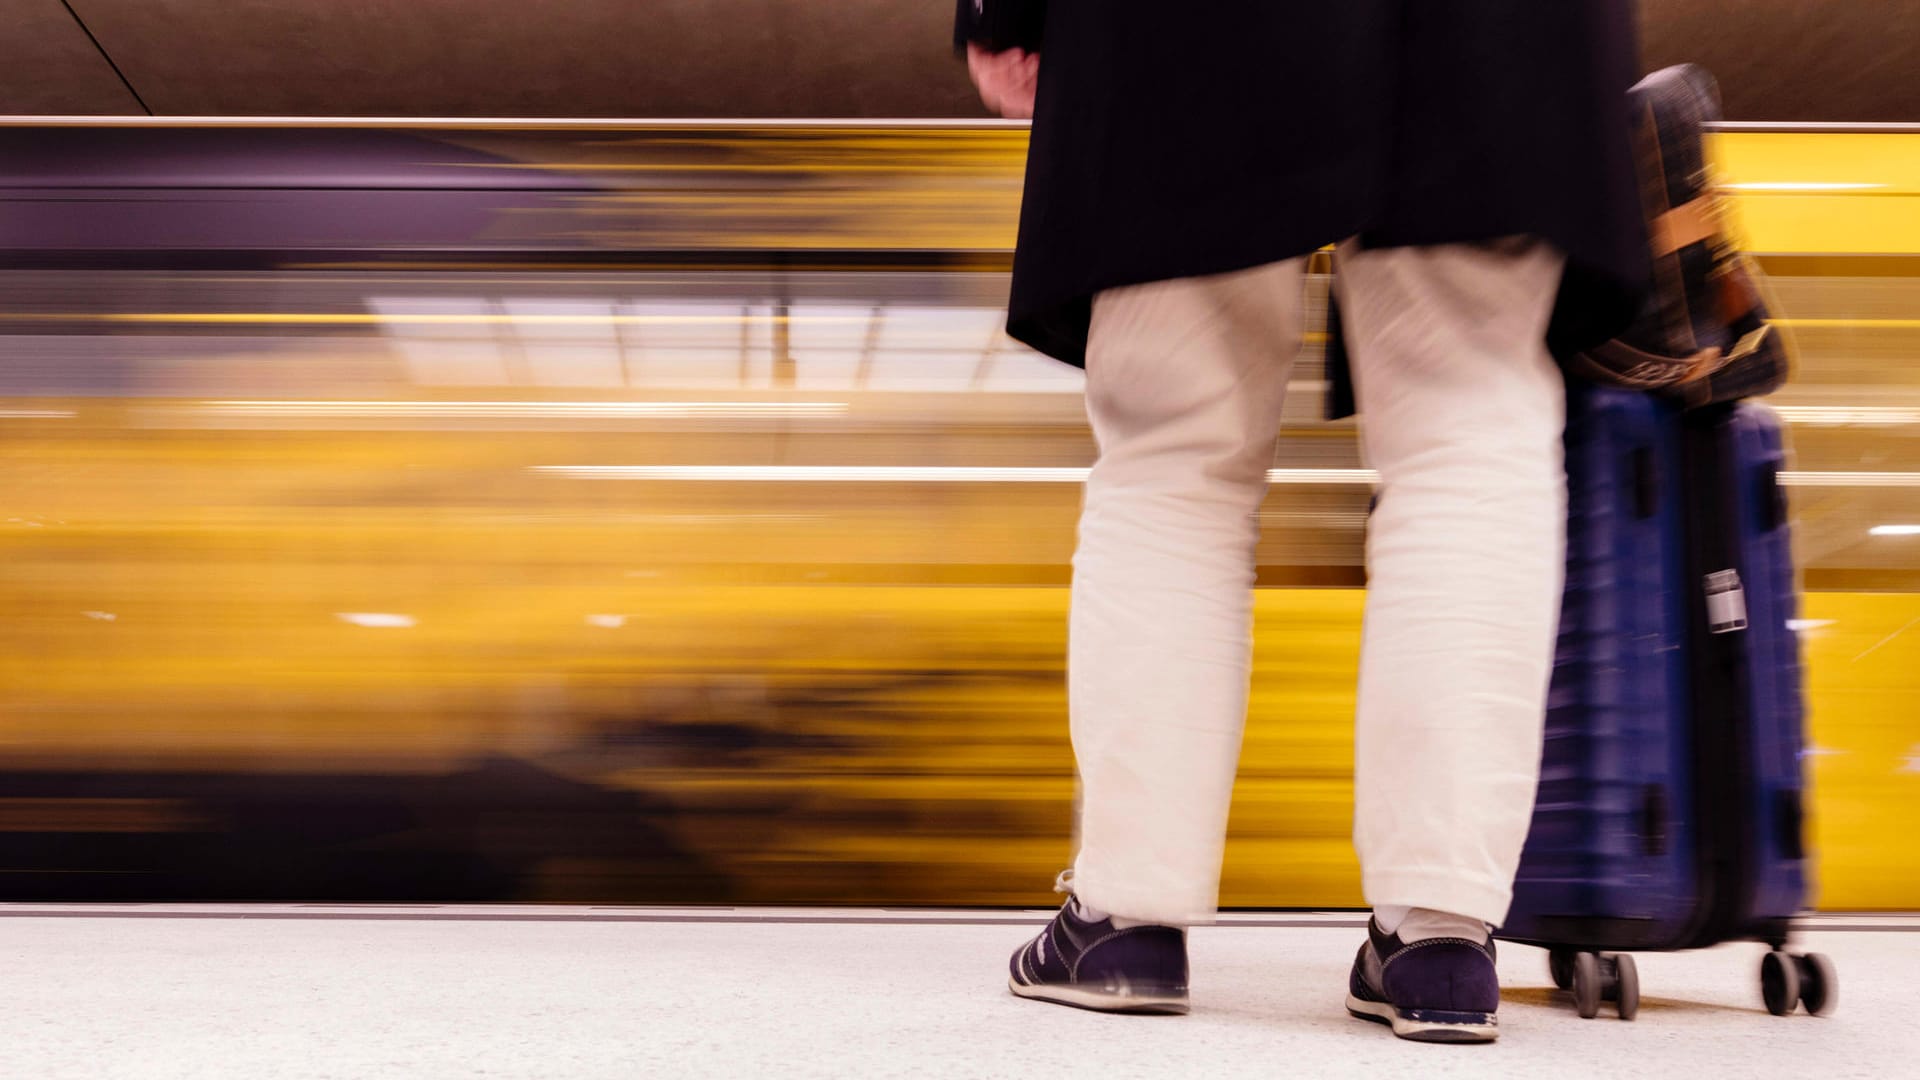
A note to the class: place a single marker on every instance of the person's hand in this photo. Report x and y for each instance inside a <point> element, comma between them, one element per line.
<point>1006,79</point>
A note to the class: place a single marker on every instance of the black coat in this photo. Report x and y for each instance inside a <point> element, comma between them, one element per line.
<point>1172,140</point>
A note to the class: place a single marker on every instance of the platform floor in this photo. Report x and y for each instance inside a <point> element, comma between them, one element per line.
<point>169,991</point>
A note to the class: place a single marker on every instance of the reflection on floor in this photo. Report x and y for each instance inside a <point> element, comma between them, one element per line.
<point>144,992</point>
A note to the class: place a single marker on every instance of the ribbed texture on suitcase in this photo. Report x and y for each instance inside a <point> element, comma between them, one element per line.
<point>1775,677</point>
<point>1612,837</point>
<point>1613,859</point>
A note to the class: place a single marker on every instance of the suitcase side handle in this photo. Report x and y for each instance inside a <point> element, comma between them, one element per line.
<point>1646,482</point>
<point>1772,497</point>
<point>1653,819</point>
<point>1790,824</point>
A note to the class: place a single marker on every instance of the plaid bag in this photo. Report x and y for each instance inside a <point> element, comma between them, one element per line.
<point>1703,335</point>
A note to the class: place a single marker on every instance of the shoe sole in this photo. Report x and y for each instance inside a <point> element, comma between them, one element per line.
<point>1100,1001</point>
<point>1381,1012</point>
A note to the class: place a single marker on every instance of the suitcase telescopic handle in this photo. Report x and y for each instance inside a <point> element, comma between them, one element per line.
<point>1772,497</point>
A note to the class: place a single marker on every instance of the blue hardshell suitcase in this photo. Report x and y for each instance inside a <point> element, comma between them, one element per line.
<point>1669,813</point>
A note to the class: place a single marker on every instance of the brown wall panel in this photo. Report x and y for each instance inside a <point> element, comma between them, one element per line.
<point>47,65</point>
<point>1777,59</point>
<point>1812,60</point>
<point>581,58</point>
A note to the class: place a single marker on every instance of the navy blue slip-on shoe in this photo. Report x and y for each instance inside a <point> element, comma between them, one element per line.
<point>1095,965</point>
<point>1436,990</point>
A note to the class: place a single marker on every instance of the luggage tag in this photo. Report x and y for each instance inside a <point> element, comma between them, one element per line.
<point>1726,602</point>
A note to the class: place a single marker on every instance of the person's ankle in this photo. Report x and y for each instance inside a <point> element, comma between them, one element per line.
<point>1088,913</point>
<point>1413,924</point>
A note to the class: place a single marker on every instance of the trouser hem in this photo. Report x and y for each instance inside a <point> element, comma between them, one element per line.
<point>1153,905</point>
<point>1473,896</point>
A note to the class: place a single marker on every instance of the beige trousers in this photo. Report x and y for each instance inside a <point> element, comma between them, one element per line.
<point>1462,412</point>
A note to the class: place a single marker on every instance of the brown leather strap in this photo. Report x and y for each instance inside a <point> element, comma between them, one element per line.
<point>1739,295</point>
<point>1638,369</point>
<point>1688,223</point>
<point>1697,388</point>
<point>1749,344</point>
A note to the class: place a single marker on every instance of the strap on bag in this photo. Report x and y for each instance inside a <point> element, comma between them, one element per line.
<point>1637,369</point>
<point>1697,388</point>
<point>1698,221</point>
<point>1641,370</point>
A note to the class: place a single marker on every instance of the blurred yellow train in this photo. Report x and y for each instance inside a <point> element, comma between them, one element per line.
<point>741,580</point>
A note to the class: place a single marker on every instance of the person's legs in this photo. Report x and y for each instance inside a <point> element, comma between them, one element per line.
<point>1185,381</point>
<point>1462,411</point>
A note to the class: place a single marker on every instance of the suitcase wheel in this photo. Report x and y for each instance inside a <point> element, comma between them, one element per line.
<point>1788,980</point>
<point>1598,977</point>
<point>1560,966</point>
<point>1626,986</point>
<point>1779,982</point>
<point>1819,984</point>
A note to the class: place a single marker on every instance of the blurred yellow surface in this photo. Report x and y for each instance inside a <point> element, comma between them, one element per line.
<point>1826,193</point>
<point>392,603</point>
<point>580,586</point>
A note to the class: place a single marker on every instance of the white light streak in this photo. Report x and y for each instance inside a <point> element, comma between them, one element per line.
<point>1803,185</point>
<point>377,620</point>
<point>1322,476</point>
<point>36,414</point>
<point>1864,415</point>
<point>1850,479</point>
<point>899,474</point>
<point>532,410</point>
<point>1894,530</point>
<point>885,474</point>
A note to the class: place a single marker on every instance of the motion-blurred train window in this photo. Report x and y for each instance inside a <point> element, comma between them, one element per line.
<point>937,349</point>
<point>612,343</point>
<point>445,341</point>
<point>697,344</point>
<point>568,342</point>
<point>831,344</point>
<point>1017,369</point>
